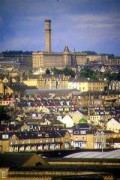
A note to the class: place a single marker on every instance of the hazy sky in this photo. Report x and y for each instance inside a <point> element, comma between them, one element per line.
<point>81,24</point>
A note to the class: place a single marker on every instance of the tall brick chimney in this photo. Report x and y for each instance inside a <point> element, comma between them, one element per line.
<point>48,35</point>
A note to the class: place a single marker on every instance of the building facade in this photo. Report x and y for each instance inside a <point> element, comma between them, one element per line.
<point>49,59</point>
<point>34,141</point>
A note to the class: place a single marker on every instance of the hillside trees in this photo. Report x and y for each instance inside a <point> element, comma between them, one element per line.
<point>88,73</point>
<point>66,71</point>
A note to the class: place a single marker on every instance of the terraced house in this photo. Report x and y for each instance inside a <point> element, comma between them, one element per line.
<point>34,141</point>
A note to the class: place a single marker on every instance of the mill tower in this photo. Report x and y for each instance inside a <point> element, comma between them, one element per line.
<point>48,35</point>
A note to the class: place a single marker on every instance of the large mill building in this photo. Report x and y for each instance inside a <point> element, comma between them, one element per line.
<point>49,59</point>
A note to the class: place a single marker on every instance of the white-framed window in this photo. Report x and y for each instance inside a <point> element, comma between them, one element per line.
<point>5,136</point>
<point>11,142</point>
<point>53,139</point>
<point>4,175</point>
<point>28,148</point>
<point>76,132</point>
<point>83,132</point>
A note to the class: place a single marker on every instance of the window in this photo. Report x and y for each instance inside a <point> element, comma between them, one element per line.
<point>46,135</point>
<point>53,140</point>
<point>76,132</point>
<point>4,174</point>
<point>82,132</point>
<point>5,136</point>
<point>83,138</point>
<point>39,135</point>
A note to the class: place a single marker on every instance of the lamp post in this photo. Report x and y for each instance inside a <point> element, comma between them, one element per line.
<point>102,140</point>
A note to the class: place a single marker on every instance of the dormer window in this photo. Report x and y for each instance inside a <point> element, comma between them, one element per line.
<point>39,135</point>
<point>46,135</point>
<point>82,132</point>
<point>76,132</point>
<point>83,138</point>
<point>5,136</point>
<point>53,139</point>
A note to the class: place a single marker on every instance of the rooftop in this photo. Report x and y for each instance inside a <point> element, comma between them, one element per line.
<point>115,154</point>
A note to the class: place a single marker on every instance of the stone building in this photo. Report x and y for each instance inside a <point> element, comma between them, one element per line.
<point>48,59</point>
<point>53,82</point>
<point>15,58</point>
<point>86,85</point>
<point>34,141</point>
<point>112,62</point>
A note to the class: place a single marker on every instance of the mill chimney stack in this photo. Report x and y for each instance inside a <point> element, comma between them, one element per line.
<point>48,35</point>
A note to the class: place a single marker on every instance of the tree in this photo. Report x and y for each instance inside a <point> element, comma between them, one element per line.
<point>94,77</point>
<point>82,120</point>
<point>68,72</point>
<point>88,73</point>
<point>118,76</point>
<point>112,76</point>
<point>47,71</point>
<point>57,71</point>
<point>3,114</point>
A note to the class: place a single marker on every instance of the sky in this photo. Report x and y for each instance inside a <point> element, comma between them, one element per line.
<point>82,25</point>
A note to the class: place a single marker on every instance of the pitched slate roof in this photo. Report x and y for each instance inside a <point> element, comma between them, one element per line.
<point>16,86</point>
<point>40,134</point>
<point>47,93</point>
<point>113,154</point>
<point>82,126</point>
<point>20,159</point>
<point>9,134</point>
